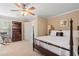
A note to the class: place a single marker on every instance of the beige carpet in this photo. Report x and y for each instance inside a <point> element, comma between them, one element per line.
<point>20,48</point>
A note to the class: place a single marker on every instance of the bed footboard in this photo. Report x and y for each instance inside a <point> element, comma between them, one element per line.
<point>44,51</point>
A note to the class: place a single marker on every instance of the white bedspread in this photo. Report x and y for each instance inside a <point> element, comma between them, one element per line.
<point>57,40</point>
<point>60,41</point>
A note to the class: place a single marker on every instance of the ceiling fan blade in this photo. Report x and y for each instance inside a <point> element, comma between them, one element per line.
<point>17,5</point>
<point>23,5</point>
<point>14,10</point>
<point>31,8</point>
<point>31,13</point>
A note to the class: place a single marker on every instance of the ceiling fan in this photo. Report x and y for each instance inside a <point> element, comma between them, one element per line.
<point>24,8</point>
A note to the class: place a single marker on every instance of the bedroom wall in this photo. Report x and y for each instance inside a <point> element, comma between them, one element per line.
<point>55,20</point>
<point>40,28</point>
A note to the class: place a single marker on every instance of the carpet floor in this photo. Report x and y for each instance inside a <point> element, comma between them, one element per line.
<point>20,48</point>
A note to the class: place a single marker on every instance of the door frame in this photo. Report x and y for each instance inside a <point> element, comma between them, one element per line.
<point>22,29</point>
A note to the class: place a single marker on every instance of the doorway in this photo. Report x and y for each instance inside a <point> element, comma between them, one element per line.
<point>28,31</point>
<point>16,31</point>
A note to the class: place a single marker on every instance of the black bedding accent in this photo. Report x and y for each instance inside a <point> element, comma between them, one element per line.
<point>59,33</point>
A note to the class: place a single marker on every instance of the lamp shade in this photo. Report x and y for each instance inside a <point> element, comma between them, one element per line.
<point>49,27</point>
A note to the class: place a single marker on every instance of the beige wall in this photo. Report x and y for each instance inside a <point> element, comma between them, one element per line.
<point>40,26</point>
<point>40,23</point>
<point>55,20</point>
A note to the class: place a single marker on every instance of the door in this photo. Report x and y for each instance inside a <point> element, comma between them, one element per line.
<point>28,31</point>
<point>16,31</point>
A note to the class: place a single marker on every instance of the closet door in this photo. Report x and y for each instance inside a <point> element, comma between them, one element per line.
<point>28,31</point>
<point>16,31</point>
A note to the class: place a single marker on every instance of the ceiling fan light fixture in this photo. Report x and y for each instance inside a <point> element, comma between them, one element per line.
<point>25,8</point>
<point>24,13</point>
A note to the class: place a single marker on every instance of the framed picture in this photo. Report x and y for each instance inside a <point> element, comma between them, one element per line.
<point>64,23</point>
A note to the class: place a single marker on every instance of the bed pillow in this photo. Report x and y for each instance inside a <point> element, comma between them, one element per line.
<point>53,33</point>
<point>61,33</point>
<point>66,33</point>
<point>57,33</point>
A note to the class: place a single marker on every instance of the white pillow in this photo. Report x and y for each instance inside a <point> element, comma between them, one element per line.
<point>66,33</point>
<point>53,33</point>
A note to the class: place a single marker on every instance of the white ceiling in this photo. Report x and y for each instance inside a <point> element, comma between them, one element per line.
<point>42,9</point>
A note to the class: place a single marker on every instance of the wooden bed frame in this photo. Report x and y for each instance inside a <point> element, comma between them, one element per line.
<point>49,53</point>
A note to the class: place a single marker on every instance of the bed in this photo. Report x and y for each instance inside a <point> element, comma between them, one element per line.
<point>58,45</point>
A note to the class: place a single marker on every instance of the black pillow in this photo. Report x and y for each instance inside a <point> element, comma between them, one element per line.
<point>57,33</point>
<point>61,33</point>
